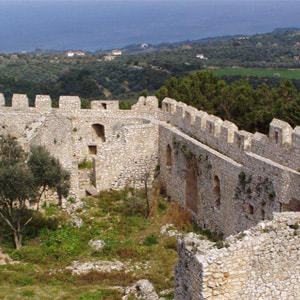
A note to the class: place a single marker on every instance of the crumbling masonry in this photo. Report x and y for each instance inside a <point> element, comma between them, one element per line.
<point>230,180</point>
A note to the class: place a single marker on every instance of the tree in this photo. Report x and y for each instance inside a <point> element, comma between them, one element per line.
<point>62,185</point>
<point>23,181</point>
<point>16,188</point>
<point>48,173</point>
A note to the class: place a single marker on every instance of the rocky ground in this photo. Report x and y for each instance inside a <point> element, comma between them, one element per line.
<point>113,252</point>
<point>106,249</point>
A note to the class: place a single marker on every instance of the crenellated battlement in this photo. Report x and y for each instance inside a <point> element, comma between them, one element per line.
<point>282,142</point>
<point>281,145</point>
<point>43,103</point>
<point>228,179</point>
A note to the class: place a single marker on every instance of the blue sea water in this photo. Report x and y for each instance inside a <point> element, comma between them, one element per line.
<point>103,24</point>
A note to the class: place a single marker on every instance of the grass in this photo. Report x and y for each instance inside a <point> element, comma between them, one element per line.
<point>85,164</point>
<point>258,72</point>
<point>118,218</point>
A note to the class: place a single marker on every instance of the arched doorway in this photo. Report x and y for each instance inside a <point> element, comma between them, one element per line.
<point>191,186</point>
<point>217,191</point>
<point>169,156</point>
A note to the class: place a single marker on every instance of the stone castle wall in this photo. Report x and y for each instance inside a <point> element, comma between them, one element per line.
<point>121,144</point>
<point>261,263</point>
<point>229,180</point>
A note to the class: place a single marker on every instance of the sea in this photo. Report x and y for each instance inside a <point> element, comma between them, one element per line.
<point>92,25</point>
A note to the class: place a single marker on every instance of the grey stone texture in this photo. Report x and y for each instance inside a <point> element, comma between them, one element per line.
<point>228,179</point>
<point>260,263</point>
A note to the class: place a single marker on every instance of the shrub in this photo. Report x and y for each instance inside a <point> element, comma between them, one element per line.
<point>32,254</point>
<point>99,295</point>
<point>178,216</point>
<point>62,244</point>
<point>28,293</point>
<point>170,243</point>
<point>85,164</point>
<point>150,240</point>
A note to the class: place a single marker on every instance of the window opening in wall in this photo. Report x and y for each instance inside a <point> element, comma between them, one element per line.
<point>239,142</point>
<point>217,191</point>
<point>169,156</point>
<point>99,131</point>
<point>191,185</point>
<point>104,105</point>
<point>276,137</point>
<point>263,214</point>
<point>250,209</point>
<point>93,150</point>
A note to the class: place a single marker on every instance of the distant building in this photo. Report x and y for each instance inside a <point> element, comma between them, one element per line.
<point>201,56</point>
<point>116,53</point>
<point>144,46</point>
<point>75,53</point>
<point>243,38</point>
<point>109,57</point>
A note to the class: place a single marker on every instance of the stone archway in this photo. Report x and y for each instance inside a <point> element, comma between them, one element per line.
<point>169,156</point>
<point>191,185</point>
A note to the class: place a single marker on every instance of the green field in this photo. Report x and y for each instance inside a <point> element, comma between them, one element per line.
<point>254,72</point>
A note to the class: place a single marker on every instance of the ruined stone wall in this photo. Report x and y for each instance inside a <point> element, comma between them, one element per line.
<point>228,179</point>
<point>238,178</point>
<point>122,145</point>
<point>261,263</point>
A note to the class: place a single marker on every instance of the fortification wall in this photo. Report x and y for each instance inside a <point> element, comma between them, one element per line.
<point>281,146</point>
<point>121,144</point>
<point>190,179</point>
<point>228,179</point>
<point>261,263</point>
<point>233,186</point>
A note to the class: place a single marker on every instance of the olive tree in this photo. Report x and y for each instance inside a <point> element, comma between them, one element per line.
<point>48,174</point>
<point>23,180</point>
<point>16,187</point>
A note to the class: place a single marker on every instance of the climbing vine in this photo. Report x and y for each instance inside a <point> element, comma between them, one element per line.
<point>262,190</point>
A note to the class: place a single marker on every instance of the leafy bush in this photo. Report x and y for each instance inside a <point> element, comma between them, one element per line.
<point>150,240</point>
<point>170,243</point>
<point>62,244</point>
<point>85,164</point>
<point>99,295</point>
<point>32,254</point>
<point>28,293</point>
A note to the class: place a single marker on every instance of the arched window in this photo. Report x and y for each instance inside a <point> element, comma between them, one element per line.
<point>276,135</point>
<point>169,156</point>
<point>217,191</point>
<point>99,131</point>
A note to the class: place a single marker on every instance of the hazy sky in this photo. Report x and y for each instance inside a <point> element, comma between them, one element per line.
<point>95,24</point>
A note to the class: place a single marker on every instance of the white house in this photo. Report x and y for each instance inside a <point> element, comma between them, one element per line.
<point>116,52</point>
<point>75,53</point>
<point>201,56</point>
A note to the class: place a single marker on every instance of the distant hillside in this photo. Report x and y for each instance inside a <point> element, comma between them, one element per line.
<point>144,68</point>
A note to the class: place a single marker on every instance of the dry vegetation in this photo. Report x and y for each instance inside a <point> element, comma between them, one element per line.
<point>119,219</point>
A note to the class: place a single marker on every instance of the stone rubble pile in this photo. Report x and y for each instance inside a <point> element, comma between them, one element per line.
<point>97,245</point>
<point>82,268</point>
<point>5,259</point>
<point>143,289</point>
